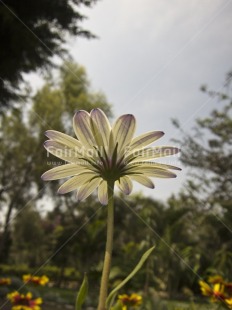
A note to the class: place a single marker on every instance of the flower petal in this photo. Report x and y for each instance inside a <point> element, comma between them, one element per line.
<point>153,164</point>
<point>70,142</point>
<point>63,171</point>
<point>154,172</point>
<point>125,185</point>
<point>112,145</point>
<point>101,127</point>
<point>142,179</point>
<point>145,139</point>
<point>75,182</point>
<point>102,193</point>
<point>149,170</point>
<point>87,189</point>
<point>62,151</point>
<point>82,128</point>
<point>154,152</point>
<point>64,139</point>
<point>123,130</point>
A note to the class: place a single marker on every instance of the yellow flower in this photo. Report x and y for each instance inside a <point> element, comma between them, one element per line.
<point>228,302</point>
<point>102,154</point>
<point>35,279</point>
<point>215,279</point>
<point>24,302</point>
<point>44,280</point>
<point>132,300</point>
<point>205,288</point>
<point>216,293</point>
<point>5,281</point>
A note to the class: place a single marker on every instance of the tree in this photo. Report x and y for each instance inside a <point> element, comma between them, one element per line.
<point>29,238</point>
<point>16,162</point>
<point>208,153</point>
<point>22,157</point>
<point>31,33</point>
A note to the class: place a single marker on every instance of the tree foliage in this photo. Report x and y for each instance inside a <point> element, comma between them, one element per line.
<point>22,157</point>
<point>191,230</point>
<point>208,151</point>
<point>208,154</point>
<point>31,33</point>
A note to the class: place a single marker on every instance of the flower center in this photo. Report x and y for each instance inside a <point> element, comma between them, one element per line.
<point>111,167</point>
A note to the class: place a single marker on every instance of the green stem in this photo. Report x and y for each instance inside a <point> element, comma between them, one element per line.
<point>109,248</point>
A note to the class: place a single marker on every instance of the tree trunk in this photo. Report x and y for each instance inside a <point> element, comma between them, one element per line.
<point>5,238</point>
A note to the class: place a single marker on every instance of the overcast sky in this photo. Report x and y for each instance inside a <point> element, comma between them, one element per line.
<point>151,58</point>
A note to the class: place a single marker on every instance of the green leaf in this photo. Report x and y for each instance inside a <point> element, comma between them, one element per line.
<point>81,296</point>
<point>112,294</point>
<point>118,306</point>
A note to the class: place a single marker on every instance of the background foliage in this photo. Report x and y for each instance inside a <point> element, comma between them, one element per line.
<point>191,230</point>
<point>42,29</point>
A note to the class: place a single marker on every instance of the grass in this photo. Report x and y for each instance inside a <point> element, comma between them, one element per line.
<point>178,305</point>
<point>67,296</point>
<point>59,295</point>
<point>57,298</point>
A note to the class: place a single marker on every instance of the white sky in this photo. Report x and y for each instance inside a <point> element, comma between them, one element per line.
<point>151,58</point>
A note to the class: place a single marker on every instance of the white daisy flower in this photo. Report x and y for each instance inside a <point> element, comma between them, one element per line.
<point>103,155</point>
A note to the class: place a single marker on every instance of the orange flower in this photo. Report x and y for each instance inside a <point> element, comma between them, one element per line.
<point>229,302</point>
<point>219,290</point>
<point>24,302</point>
<point>27,278</point>
<point>133,300</point>
<point>228,287</point>
<point>215,279</point>
<point>5,281</point>
<point>216,292</point>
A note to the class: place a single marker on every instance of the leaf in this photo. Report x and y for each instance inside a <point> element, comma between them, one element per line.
<point>81,296</point>
<point>118,306</point>
<point>110,298</point>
